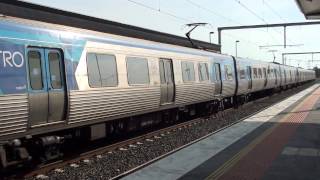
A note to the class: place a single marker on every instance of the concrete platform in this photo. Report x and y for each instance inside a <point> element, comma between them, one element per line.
<point>281,142</point>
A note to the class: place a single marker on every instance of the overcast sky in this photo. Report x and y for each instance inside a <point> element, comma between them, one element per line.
<point>170,16</point>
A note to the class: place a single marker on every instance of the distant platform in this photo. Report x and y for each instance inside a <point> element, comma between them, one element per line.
<point>281,142</point>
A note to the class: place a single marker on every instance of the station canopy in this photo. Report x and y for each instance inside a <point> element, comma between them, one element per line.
<point>310,8</point>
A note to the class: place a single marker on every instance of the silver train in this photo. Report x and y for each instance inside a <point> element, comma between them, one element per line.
<point>59,83</point>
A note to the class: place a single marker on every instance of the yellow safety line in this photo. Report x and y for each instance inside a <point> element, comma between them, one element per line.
<point>232,161</point>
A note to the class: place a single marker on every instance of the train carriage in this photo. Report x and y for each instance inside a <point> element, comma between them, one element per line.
<point>56,78</point>
<point>60,82</point>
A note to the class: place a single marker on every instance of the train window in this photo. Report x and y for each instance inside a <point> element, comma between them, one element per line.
<point>290,76</point>
<point>187,71</point>
<point>35,72</point>
<point>102,70</point>
<point>55,70</point>
<point>138,71</point>
<point>203,72</point>
<point>242,74</point>
<point>169,70</point>
<point>255,73</point>
<point>108,69</point>
<point>228,72</point>
<point>213,77</point>
<point>259,73</point>
<point>264,72</point>
<point>162,69</point>
<point>249,72</point>
<point>93,70</point>
<point>217,71</point>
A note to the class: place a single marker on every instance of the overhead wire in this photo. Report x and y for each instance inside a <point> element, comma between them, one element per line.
<point>161,11</point>
<point>224,17</point>
<point>274,11</point>
<point>243,39</point>
<point>278,15</point>
<point>212,12</point>
<point>251,11</point>
<point>186,20</point>
<point>254,14</point>
<point>257,16</point>
<point>182,19</point>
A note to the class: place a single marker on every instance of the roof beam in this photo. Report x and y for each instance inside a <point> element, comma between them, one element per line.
<point>298,53</point>
<point>284,25</point>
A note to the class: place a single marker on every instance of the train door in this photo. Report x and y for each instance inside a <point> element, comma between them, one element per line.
<point>217,70</point>
<point>265,77</point>
<point>47,94</point>
<point>249,72</point>
<point>275,76</point>
<point>285,76</point>
<point>167,81</point>
<point>279,71</point>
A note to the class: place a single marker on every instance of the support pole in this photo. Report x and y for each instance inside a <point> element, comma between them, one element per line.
<point>285,36</point>
<point>219,36</point>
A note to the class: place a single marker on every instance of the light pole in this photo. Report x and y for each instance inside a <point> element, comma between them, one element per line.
<point>237,41</point>
<point>210,33</point>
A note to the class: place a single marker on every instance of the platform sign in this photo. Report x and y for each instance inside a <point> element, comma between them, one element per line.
<point>13,76</point>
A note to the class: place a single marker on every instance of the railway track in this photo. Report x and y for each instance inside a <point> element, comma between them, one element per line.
<point>194,141</point>
<point>237,114</point>
<point>102,150</point>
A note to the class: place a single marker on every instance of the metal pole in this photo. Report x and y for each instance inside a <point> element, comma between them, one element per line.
<point>237,41</point>
<point>236,49</point>
<point>210,33</point>
<point>285,36</point>
<point>312,59</point>
<point>219,36</point>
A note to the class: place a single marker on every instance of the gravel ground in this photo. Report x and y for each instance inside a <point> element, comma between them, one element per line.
<point>108,165</point>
